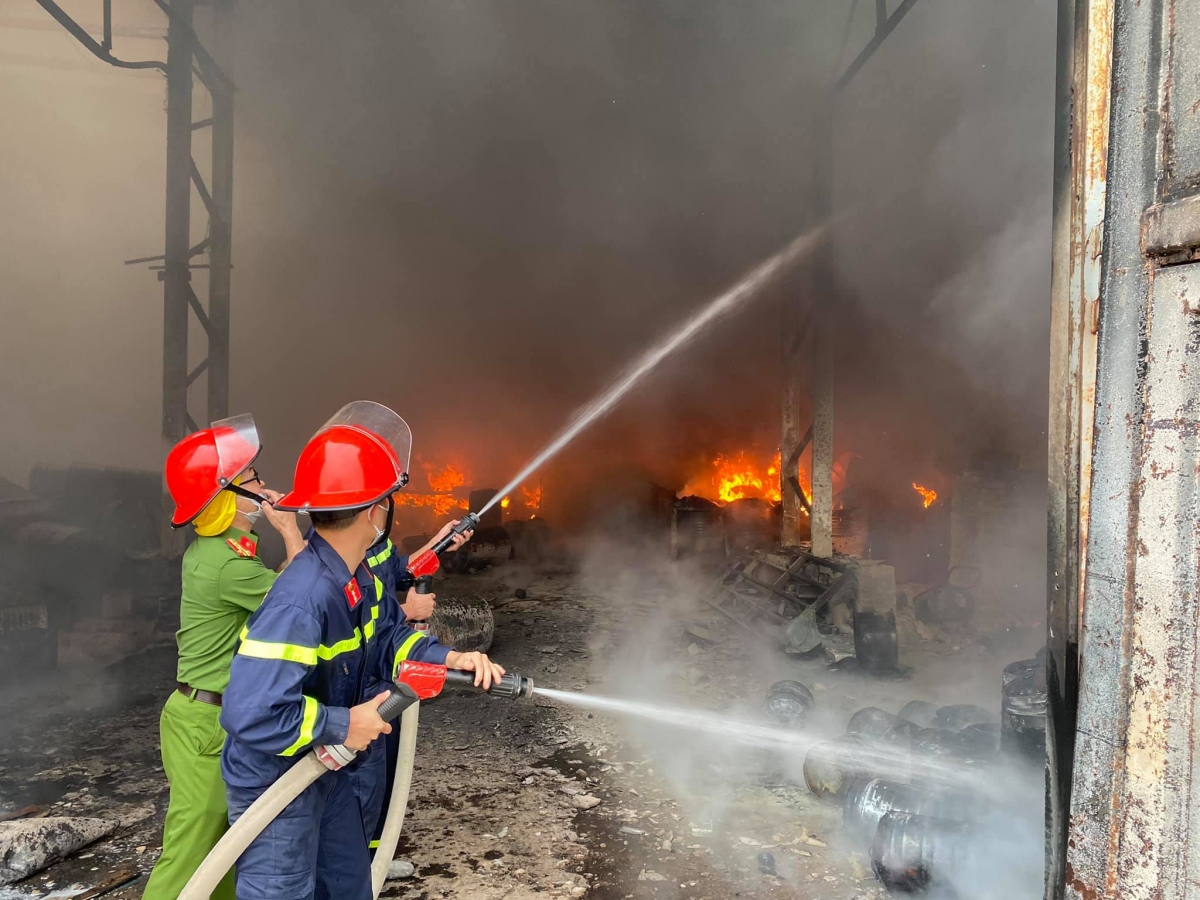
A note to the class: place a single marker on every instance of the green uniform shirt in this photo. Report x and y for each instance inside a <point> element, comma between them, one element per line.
<point>223,582</point>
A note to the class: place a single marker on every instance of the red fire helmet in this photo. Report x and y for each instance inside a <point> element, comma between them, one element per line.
<point>201,465</point>
<point>358,457</point>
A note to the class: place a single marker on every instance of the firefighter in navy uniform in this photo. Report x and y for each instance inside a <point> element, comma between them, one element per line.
<point>376,775</point>
<point>309,657</point>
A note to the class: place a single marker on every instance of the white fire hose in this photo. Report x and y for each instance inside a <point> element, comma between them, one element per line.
<point>293,782</point>
<point>414,681</point>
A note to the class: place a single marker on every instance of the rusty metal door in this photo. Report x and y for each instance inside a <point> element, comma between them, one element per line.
<point>1125,455</point>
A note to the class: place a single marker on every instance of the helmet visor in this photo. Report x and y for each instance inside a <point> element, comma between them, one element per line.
<point>380,421</point>
<point>237,446</point>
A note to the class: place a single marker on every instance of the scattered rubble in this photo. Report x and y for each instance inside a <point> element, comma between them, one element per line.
<point>30,845</point>
<point>400,869</point>
<point>519,801</point>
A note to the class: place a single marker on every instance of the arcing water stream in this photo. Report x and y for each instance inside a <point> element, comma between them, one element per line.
<point>720,306</point>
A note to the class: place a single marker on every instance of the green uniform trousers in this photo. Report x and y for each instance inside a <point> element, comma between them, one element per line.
<point>191,738</point>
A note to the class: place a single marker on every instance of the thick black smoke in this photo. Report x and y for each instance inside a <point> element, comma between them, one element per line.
<point>476,212</point>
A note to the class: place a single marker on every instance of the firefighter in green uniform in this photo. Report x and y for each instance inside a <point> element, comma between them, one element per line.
<point>211,478</point>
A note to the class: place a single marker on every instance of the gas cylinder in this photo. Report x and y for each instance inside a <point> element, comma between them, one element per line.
<point>871,721</point>
<point>919,712</point>
<point>913,852</point>
<point>788,703</point>
<point>829,768</point>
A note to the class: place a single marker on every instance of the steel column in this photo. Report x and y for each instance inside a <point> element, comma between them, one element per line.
<point>1080,195</point>
<point>176,273</point>
<point>220,221</point>
<point>818,280</point>
<point>820,288</point>
<point>793,342</point>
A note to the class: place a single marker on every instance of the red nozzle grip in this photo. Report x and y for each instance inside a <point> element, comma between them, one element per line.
<point>425,679</point>
<point>423,565</point>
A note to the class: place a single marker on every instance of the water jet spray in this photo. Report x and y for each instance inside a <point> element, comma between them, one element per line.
<point>722,305</point>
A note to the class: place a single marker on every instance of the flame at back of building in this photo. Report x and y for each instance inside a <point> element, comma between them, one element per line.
<point>740,476</point>
<point>928,496</point>
<point>442,481</point>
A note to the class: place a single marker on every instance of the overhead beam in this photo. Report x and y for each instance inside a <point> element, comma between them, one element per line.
<point>884,27</point>
<point>96,48</point>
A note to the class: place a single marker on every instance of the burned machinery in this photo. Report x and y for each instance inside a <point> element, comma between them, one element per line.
<point>781,597</point>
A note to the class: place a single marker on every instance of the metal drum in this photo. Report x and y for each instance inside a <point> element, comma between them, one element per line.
<point>959,716</point>
<point>912,853</point>
<point>875,643</point>
<point>788,704</point>
<point>1023,716</point>
<point>871,721</point>
<point>920,713</point>
<point>867,802</point>
<point>830,768</point>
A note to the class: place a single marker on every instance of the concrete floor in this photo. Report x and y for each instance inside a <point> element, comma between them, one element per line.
<point>496,794</point>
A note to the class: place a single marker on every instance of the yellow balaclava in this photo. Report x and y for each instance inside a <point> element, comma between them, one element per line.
<point>216,518</point>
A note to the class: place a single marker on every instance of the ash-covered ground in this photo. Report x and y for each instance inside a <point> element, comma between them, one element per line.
<point>536,799</point>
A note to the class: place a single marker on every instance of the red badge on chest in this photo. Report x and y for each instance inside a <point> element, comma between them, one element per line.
<point>353,594</point>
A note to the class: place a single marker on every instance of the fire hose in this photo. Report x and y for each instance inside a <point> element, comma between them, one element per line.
<point>421,568</point>
<point>414,682</point>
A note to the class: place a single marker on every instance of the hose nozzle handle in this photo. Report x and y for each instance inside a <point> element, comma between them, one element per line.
<point>335,756</point>
<point>510,686</point>
<point>469,522</point>
<point>402,697</point>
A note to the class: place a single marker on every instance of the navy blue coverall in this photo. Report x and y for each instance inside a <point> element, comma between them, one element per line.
<point>322,641</point>
<point>373,779</point>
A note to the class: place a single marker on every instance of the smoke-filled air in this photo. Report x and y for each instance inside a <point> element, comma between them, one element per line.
<point>729,324</point>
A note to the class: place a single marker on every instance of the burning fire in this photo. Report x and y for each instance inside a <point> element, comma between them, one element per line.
<point>738,477</point>
<point>533,498</point>
<point>442,482</point>
<point>441,503</point>
<point>446,480</point>
<point>530,500</point>
<point>928,497</point>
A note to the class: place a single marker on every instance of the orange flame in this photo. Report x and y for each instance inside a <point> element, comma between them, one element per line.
<point>533,498</point>
<point>505,502</point>
<point>928,497</point>
<point>446,480</point>
<point>442,481</point>
<point>441,503</point>
<point>738,477</point>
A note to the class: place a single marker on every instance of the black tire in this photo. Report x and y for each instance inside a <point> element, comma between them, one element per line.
<point>464,623</point>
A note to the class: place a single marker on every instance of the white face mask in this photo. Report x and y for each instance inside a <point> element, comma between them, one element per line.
<point>380,530</point>
<point>253,515</point>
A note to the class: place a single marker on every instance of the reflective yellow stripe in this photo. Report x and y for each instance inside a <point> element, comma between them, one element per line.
<point>289,652</point>
<point>307,725</point>
<point>373,845</point>
<point>383,556</point>
<point>405,648</point>
<point>296,653</point>
<point>350,643</point>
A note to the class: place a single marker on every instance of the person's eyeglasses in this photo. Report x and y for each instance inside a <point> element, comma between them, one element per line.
<point>252,479</point>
